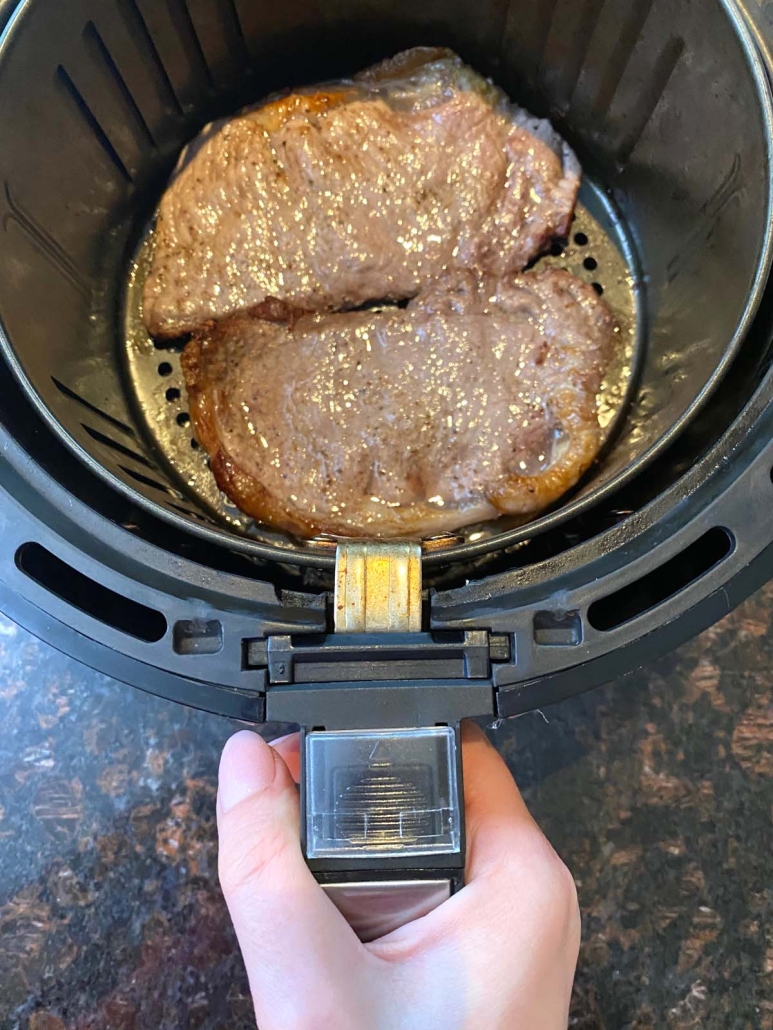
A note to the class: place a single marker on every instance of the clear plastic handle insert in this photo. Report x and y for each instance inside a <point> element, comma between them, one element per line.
<point>383,821</point>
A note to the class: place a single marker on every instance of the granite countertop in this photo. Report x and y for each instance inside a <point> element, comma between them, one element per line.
<point>657,791</point>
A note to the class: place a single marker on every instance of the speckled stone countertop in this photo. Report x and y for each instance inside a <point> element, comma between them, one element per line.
<point>657,791</point>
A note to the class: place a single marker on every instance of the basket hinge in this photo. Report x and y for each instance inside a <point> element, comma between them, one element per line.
<point>377,587</point>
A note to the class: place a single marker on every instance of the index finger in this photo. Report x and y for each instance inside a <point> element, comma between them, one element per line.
<point>288,748</point>
<point>499,825</point>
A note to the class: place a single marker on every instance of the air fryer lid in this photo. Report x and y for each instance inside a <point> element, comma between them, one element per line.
<point>115,90</point>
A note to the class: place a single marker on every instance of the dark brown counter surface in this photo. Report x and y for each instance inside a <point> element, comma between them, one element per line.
<point>657,791</point>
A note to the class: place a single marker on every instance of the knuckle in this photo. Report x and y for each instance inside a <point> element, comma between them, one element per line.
<point>553,891</point>
<point>565,884</point>
<point>571,900</point>
<point>561,899</point>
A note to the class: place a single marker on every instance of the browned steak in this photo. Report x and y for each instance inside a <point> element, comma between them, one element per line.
<point>329,198</point>
<point>478,398</point>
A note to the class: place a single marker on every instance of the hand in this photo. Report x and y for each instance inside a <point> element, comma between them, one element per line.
<point>499,955</point>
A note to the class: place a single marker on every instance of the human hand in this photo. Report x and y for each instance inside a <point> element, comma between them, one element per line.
<point>499,955</point>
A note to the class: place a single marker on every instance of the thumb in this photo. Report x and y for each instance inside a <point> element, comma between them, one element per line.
<point>288,930</point>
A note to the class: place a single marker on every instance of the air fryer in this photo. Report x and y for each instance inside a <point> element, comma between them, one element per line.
<point>115,546</point>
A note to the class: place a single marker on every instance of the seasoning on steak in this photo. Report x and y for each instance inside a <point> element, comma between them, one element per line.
<point>332,197</point>
<point>478,398</point>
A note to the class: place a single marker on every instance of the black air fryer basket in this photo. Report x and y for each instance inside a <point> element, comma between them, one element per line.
<point>115,548</point>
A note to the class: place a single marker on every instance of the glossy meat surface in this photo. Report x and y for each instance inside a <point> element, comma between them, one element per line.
<point>478,398</point>
<point>362,191</point>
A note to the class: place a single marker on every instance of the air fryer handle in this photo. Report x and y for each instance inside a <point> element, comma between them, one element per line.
<point>382,821</point>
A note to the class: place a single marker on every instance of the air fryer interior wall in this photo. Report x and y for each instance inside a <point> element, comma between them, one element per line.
<point>660,98</point>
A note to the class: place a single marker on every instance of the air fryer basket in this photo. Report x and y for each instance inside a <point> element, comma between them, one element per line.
<point>116,89</point>
<point>104,549</point>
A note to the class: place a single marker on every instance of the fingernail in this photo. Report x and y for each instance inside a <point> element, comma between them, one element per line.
<point>282,739</point>
<point>247,767</point>
<point>472,733</point>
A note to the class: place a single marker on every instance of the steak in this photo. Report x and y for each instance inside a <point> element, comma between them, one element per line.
<point>331,197</point>
<point>476,399</point>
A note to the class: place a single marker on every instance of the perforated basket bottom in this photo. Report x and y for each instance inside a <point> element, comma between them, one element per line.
<point>598,251</point>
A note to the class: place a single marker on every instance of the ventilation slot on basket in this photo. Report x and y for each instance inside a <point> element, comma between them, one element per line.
<point>115,81</point>
<point>119,448</point>
<point>85,594</point>
<point>147,47</point>
<point>186,31</point>
<point>73,396</point>
<point>617,60</point>
<point>93,124</point>
<point>662,583</point>
<point>650,95</point>
<point>138,477</point>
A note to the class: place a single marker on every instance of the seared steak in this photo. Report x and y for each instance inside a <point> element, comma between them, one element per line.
<point>367,190</point>
<point>478,398</point>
